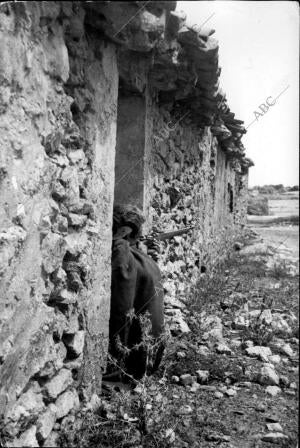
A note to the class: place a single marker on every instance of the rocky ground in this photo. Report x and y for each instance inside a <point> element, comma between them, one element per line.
<point>230,374</point>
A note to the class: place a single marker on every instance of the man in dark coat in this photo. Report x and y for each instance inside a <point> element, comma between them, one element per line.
<point>135,290</point>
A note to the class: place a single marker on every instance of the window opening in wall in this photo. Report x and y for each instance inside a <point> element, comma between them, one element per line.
<point>241,183</point>
<point>230,198</point>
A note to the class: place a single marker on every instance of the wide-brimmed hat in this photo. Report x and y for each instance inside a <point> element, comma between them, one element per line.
<point>128,215</point>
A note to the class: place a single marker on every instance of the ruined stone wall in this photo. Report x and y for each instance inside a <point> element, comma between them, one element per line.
<point>193,184</point>
<point>58,135</point>
<point>58,101</point>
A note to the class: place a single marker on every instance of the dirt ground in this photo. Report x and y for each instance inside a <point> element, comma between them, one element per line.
<point>232,381</point>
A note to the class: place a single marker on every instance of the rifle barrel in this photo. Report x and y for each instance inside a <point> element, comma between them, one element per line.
<point>168,235</point>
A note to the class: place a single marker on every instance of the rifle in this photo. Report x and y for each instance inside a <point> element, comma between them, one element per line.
<point>168,235</point>
<point>124,231</point>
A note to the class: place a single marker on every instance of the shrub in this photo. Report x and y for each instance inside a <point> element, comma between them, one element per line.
<point>258,206</point>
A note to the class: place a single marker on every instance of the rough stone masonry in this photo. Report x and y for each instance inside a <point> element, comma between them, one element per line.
<point>100,101</point>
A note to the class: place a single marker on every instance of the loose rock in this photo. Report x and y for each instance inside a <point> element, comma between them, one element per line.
<point>231,392</point>
<point>260,352</point>
<point>29,404</point>
<point>223,349</point>
<point>218,394</point>
<point>186,379</point>
<point>46,422</point>
<point>65,402</point>
<point>268,376</point>
<point>27,439</point>
<point>59,383</point>
<point>185,410</point>
<point>274,437</point>
<point>52,440</point>
<point>275,359</point>
<point>286,349</point>
<point>274,427</point>
<point>202,375</point>
<point>53,251</point>
<point>240,322</point>
<point>273,390</point>
<point>195,386</point>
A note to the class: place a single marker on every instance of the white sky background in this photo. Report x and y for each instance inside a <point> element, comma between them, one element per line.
<point>259,56</point>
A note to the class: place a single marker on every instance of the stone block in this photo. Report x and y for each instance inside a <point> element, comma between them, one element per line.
<point>187,379</point>
<point>76,220</point>
<point>241,322</point>
<point>76,243</point>
<point>66,402</point>
<point>273,390</point>
<point>56,363</point>
<point>75,343</point>
<point>76,156</point>
<point>202,376</point>
<point>64,297</point>
<point>177,323</point>
<point>69,179</point>
<point>286,349</point>
<point>60,225</point>
<point>274,437</point>
<point>274,427</point>
<point>29,404</point>
<point>223,349</point>
<point>268,376</point>
<point>72,325</point>
<point>53,251</point>
<point>230,392</point>
<point>59,383</point>
<point>27,439</point>
<point>46,422</point>
<point>263,353</point>
<point>58,191</point>
<point>53,438</point>
<point>59,277</point>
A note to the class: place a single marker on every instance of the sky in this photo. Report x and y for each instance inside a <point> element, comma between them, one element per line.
<point>259,57</point>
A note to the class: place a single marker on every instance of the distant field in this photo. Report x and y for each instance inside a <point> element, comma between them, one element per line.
<point>277,233</point>
<point>283,207</point>
<point>279,205</point>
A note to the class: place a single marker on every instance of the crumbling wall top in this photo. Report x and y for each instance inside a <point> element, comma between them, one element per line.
<point>182,64</point>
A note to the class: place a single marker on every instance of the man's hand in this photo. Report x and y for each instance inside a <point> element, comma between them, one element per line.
<point>153,245</point>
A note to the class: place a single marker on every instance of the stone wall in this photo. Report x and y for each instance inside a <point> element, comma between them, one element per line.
<point>192,184</point>
<point>62,131</point>
<point>58,103</point>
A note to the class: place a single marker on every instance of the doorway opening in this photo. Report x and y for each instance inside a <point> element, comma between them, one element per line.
<point>130,149</point>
